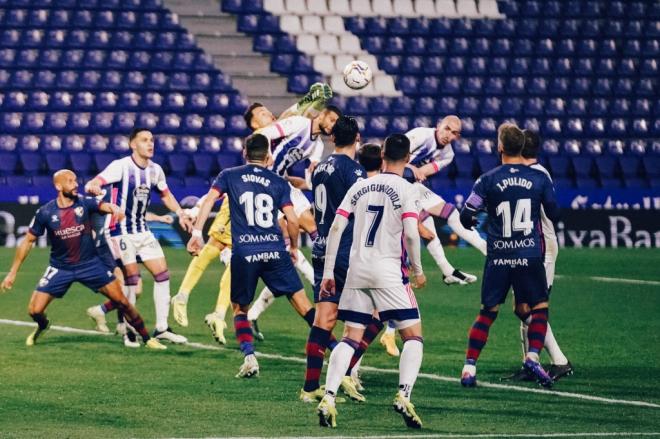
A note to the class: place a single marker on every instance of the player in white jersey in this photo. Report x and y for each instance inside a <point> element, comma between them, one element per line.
<point>431,151</point>
<point>560,366</point>
<point>385,215</point>
<point>135,177</point>
<point>293,139</point>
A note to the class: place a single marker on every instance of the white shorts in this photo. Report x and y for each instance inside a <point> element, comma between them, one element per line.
<point>428,198</point>
<point>299,201</point>
<point>129,247</point>
<point>397,304</point>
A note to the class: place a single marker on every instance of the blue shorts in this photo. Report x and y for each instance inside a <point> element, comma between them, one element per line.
<point>525,275</point>
<point>273,267</point>
<point>341,268</point>
<point>106,257</point>
<point>93,274</point>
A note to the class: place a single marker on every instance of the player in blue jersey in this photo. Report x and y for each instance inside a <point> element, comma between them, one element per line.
<point>512,195</point>
<point>258,248</point>
<point>332,178</point>
<point>73,257</point>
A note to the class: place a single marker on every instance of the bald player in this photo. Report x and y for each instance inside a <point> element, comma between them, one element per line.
<point>430,152</point>
<point>73,256</point>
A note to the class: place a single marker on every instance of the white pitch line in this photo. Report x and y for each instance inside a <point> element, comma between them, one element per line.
<point>430,376</point>
<point>458,435</point>
<point>611,279</point>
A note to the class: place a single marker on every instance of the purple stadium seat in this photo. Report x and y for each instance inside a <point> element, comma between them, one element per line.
<point>81,162</point>
<point>204,164</point>
<point>216,124</point>
<point>447,105</point>
<point>55,162</point>
<point>572,147</point>
<point>376,127</point>
<point>229,160</point>
<point>178,164</point>
<point>399,124</point>
<point>8,162</point>
<point>560,166</point>
<point>630,166</point>
<point>198,102</point>
<point>379,105</point>
<point>31,162</point>
<point>608,166</point>
<point>582,165</point>
<point>402,105</point>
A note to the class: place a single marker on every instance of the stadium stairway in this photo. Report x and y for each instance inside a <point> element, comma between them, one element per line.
<point>232,51</point>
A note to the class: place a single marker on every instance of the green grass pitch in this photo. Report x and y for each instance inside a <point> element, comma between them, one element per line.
<point>87,386</point>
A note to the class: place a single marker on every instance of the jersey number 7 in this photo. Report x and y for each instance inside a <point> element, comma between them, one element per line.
<point>378,217</point>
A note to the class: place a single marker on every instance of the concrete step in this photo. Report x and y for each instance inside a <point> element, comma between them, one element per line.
<point>241,64</point>
<point>211,25</point>
<point>231,44</point>
<point>260,85</point>
<point>193,7</point>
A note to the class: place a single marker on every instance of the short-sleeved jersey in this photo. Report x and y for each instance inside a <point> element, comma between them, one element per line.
<point>546,225</point>
<point>292,142</point>
<point>379,205</point>
<point>424,149</point>
<point>255,195</point>
<point>332,178</point>
<point>512,195</point>
<point>69,231</point>
<point>134,185</point>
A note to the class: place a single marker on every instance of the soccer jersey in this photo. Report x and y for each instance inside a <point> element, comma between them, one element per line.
<point>379,205</point>
<point>255,195</point>
<point>69,231</point>
<point>134,185</point>
<point>547,226</point>
<point>424,149</point>
<point>292,141</point>
<point>513,196</point>
<point>332,178</point>
<point>101,222</point>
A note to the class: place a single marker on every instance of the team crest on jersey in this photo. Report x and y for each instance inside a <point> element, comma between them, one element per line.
<point>141,193</point>
<point>79,211</point>
<point>54,218</point>
<point>256,169</point>
<point>358,172</point>
<point>513,170</point>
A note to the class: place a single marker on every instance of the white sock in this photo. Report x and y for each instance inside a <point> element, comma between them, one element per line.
<point>471,236</point>
<point>131,293</point>
<point>435,248</point>
<point>305,267</point>
<point>389,330</point>
<point>260,305</point>
<point>524,341</point>
<point>162,304</point>
<point>338,365</point>
<point>409,364</point>
<point>556,355</point>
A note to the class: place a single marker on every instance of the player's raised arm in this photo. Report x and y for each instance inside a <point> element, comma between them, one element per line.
<point>112,209</point>
<point>196,242</point>
<point>112,173</point>
<point>22,252</point>
<point>472,205</point>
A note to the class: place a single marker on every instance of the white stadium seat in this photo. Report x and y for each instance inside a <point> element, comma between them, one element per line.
<point>307,44</point>
<point>339,7</point>
<point>312,24</point>
<point>384,85</point>
<point>324,64</point>
<point>338,85</point>
<point>425,8</point>
<point>329,44</point>
<point>342,60</point>
<point>384,8</point>
<point>467,8</point>
<point>404,8</point>
<point>445,8</point>
<point>275,7</point>
<point>488,8</point>
<point>349,44</point>
<point>290,24</point>
<point>297,7</point>
<point>318,7</point>
<point>361,8</point>
<point>333,24</point>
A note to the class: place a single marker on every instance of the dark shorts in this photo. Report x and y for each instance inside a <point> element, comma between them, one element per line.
<point>341,268</point>
<point>274,268</point>
<point>525,275</point>
<point>104,253</point>
<point>93,274</point>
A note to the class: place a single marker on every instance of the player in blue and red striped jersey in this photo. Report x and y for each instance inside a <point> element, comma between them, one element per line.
<point>258,248</point>
<point>512,194</point>
<point>73,257</point>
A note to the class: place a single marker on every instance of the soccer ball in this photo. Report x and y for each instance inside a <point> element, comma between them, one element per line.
<point>357,75</point>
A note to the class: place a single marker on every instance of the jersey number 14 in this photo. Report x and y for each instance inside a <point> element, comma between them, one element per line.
<point>522,217</point>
